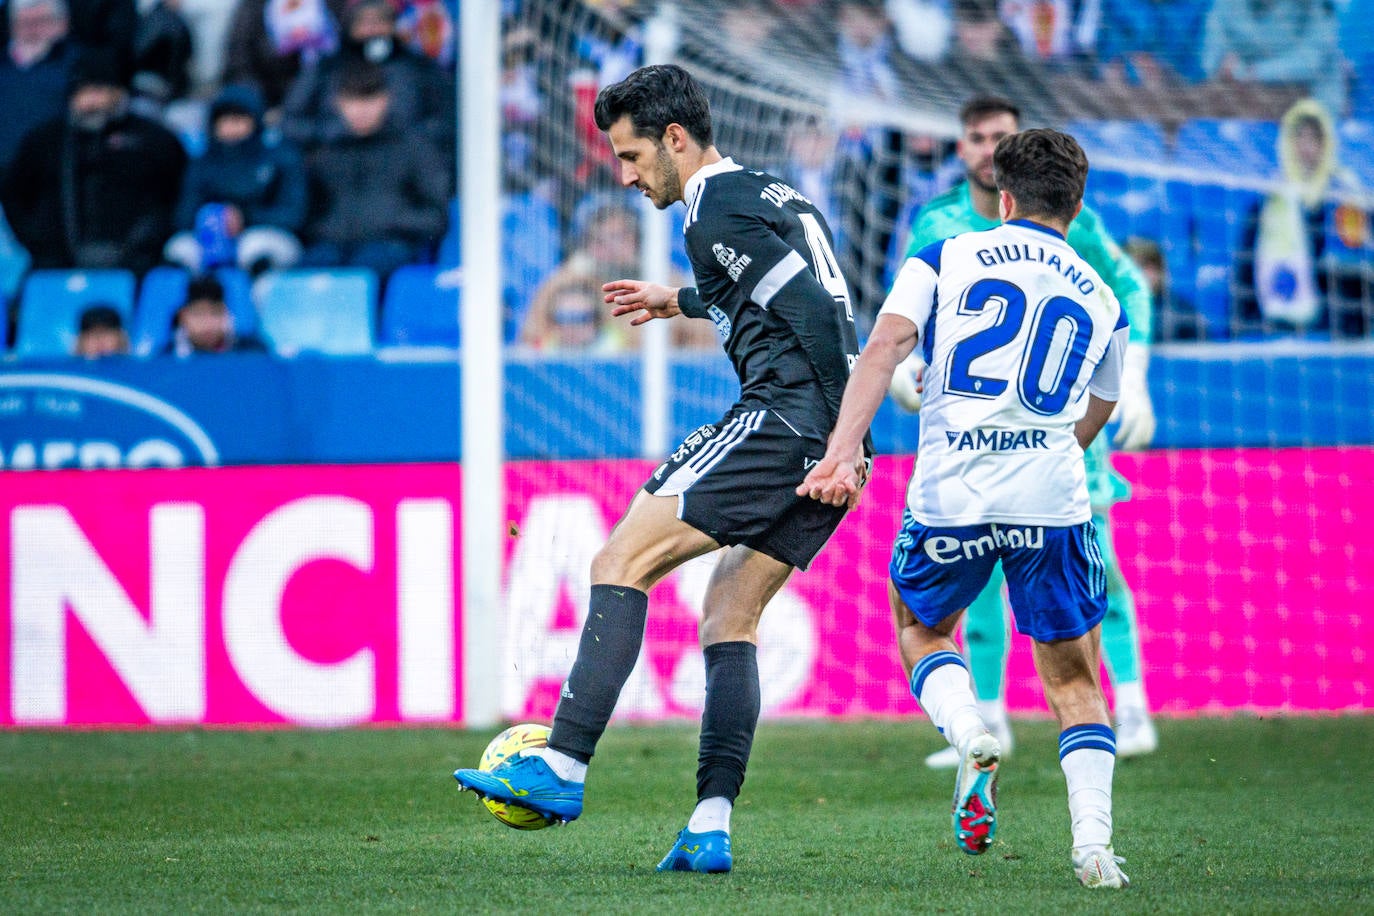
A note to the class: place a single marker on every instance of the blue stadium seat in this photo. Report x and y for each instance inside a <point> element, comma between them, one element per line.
<point>53,301</point>
<point>164,290</point>
<point>1211,219</point>
<point>1142,140</point>
<point>1232,146</point>
<point>450,252</point>
<point>330,311</point>
<point>1130,205</point>
<point>531,246</point>
<point>420,307</point>
<point>1357,149</point>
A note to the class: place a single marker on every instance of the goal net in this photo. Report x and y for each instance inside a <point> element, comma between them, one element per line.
<point>1240,541</point>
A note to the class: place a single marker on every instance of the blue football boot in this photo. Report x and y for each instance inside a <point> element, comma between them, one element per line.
<point>707,852</point>
<point>975,795</point>
<point>527,782</point>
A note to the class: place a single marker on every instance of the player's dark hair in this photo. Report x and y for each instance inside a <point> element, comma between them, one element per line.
<point>1044,170</point>
<point>984,106</point>
<point>655,97</point>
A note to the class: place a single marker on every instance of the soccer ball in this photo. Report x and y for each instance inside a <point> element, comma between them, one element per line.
<point>507,744</point>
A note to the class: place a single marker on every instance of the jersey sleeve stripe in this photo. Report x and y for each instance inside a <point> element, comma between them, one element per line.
<point>778,277</point>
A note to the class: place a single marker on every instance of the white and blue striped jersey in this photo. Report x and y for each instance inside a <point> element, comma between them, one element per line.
<point>1015,329</point>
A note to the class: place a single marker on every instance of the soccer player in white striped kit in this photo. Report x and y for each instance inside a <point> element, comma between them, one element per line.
<point>1025,344</point>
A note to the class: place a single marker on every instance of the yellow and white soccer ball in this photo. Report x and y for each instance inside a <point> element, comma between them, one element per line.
<point>507,744</point>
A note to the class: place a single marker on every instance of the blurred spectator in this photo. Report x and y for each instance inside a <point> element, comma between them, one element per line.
<point>95,188</point>
<point>868,157</point>
<point>606,247</point>
<point>568,313</point>
<point>1276,41</point>
<point>810,166</point>
<point>262,184</point>
<point>36,70</point>
<point>1306,253</point>
<point>1062,33</point>
<point>204,324</point>
<point>923,27</point>
<point>162,53</point>
<point>986,59</point>
<point>270,40</point>
<point>426,26</point>
<point>1357,44</point>
<point>421,93</point>
<point>1151,42</point>
<point>109,25</point>
<point>100,332</point>
<point>1175,317</point>
<point>380,192</point>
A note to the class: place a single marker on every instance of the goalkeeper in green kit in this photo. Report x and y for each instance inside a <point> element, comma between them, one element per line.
<point>972,206</point>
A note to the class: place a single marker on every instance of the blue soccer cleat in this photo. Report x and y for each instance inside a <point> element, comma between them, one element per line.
<point>707,852</point>
<point>527,782</point>
<point>975,795</point>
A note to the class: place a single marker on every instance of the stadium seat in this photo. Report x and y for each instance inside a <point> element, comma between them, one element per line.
<point>53,301</point>
<point>1211,218</point>
<point>1357,150</point>
<point>1129,204</point>
<point>531,248</point>
<point>330,311</point>
<point>1231,146</point>
<point>1130,140</point>
<point>164,290</point>
<point>420,307</point>
<point>450,252</point>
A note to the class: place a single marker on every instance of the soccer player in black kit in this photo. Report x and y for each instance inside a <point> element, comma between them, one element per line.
<point>767,276</point>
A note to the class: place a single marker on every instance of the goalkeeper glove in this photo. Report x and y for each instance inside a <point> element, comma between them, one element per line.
<point>1134,413</point>
<point>908,382</point>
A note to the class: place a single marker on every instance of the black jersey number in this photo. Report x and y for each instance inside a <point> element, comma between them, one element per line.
<point>827,268</point>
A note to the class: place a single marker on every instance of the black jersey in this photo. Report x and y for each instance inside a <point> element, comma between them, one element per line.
<point>767,276</point>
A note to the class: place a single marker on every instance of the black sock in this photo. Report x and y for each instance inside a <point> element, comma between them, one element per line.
<point>606,655</point>
<point>728,722</point>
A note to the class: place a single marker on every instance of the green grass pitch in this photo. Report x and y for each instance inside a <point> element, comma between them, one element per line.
<point>1243,815</point>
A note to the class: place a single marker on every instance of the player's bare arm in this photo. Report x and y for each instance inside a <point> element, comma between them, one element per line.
<point>1086,429</point>
<point>839,478</point>
<point>653,300</point>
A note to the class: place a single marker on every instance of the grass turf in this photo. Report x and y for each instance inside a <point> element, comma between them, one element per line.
<point>1241,816</point>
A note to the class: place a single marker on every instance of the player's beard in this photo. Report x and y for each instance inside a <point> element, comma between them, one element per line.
<point>669,181</point>
<point>973,177</point>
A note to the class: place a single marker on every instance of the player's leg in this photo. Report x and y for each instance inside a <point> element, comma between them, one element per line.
<point>1057,584</point>
<point>646,544</point>
<point>1087,752</point>
<point>1135,733</point>
<point>743,583</point>
<point>985,634</point>
<point>928,589</point>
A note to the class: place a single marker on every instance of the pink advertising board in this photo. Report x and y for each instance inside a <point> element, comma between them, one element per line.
<point>327,595</point>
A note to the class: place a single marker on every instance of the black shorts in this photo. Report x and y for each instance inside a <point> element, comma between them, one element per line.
<point>736,482</point>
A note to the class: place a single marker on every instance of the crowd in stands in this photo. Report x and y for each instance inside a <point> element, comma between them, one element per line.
<point>234,140</point>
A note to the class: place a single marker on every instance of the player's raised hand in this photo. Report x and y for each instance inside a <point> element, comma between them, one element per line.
<point>653,299</point>
<point>834,482</point>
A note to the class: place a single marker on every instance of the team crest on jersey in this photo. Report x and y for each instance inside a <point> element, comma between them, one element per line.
<point>733,262</point>
<point>722,323</point>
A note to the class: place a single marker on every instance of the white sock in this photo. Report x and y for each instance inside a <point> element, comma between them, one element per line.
<point>1130,699</point>
<point>569,768</point>
<point>994,713</point>
<point>947,697</point>
<point>711,814</point>
<point>1088,772</point>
